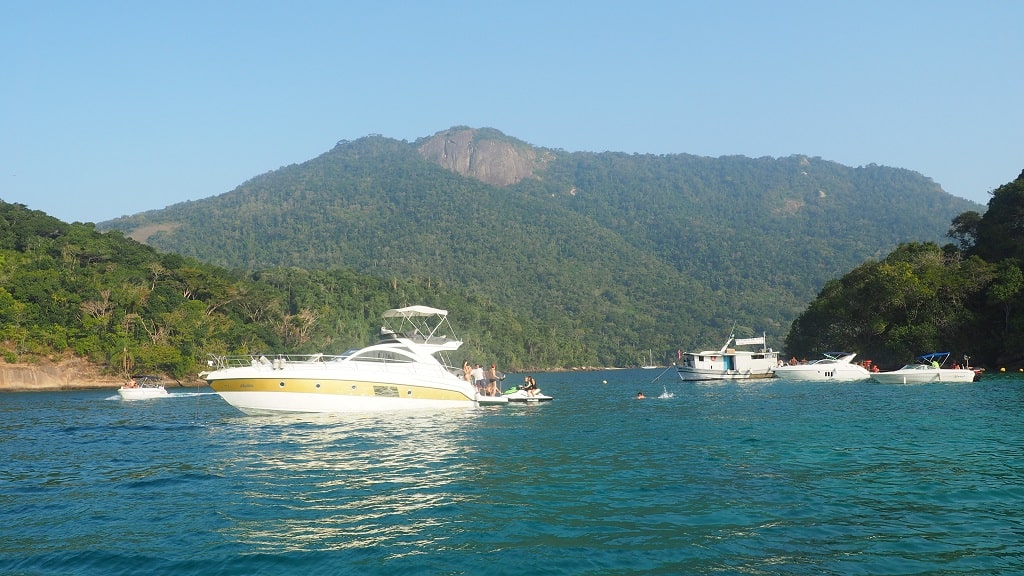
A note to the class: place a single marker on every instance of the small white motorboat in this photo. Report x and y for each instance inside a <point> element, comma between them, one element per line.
<point>142,388</point>
<point>927,368</point>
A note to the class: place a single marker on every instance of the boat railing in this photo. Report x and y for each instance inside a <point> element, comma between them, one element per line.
<point>279,361</point>
<point>276,360</point>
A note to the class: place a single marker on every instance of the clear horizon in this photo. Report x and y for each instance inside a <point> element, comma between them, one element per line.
<point>114,109</point>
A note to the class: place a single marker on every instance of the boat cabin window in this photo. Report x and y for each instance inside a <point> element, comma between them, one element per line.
<point>382,356</point>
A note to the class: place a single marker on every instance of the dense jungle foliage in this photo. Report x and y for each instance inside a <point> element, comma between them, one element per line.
<point>603,255</point>
<point>963,298</point>
<point>69,289</point>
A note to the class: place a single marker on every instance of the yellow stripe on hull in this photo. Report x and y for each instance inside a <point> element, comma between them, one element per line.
<point>353,388</point>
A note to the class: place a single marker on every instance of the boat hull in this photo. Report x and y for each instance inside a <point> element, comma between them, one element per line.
<point>288,393</point>
<point>142,393</point>
<point>697,374</point>
<point>297,402</point>
<point>833,373</point>
<point>924,376</point>
<point>488,400</point>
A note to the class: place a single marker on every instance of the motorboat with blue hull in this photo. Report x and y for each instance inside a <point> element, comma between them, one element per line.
<point>406,369</point>
<point>729,363</point>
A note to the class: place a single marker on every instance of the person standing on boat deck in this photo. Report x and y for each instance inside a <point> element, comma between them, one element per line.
<point>467,371</point>
<point>492,381</point>
<point>478,378</point>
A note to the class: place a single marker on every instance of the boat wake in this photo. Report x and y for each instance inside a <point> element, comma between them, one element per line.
<point>169,395</point>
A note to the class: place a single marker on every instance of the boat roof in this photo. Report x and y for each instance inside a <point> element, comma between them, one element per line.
<point>934,356</point>
<point>410,311</point>
<point>425,327</point>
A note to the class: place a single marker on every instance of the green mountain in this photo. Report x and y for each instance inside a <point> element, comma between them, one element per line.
<point>69,292</point>
<point>606,254</point>
<point>962,298</point>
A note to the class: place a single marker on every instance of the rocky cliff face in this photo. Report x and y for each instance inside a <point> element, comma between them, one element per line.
<point>486,155</point>
<point>73,374</point>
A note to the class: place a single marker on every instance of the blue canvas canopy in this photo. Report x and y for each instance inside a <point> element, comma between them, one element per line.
<point>939,357</point>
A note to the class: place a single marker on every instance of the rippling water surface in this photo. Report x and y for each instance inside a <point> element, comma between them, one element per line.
<point>767,477</point>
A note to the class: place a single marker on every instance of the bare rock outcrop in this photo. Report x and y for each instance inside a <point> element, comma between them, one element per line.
<point>486,155</point>
<point>70,374</point>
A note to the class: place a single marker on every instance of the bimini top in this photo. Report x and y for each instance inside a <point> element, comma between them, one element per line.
<point>939,357</point>
<point>410,311</point>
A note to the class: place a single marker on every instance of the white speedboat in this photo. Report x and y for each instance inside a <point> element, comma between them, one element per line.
<point>728,363</point>
<point>927,368</point>
<point>406,369</point>
<point>142,388</point>
<point>834,366</point>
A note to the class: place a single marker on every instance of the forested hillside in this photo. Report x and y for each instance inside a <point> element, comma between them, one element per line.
<point>964,298</point>
<point>606,254</point>
<point>69,290</point>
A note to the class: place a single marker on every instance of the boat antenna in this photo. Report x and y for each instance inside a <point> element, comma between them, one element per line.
<point>732,334</point>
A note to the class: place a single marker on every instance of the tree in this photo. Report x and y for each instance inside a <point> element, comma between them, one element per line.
<point>1005,291</point>
<point>965,229</point>
<point>1000,232</point>
<point>914,301</point>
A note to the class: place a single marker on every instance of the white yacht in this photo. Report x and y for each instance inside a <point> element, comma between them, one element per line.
<point>406,369</point>
<point>834,366</point>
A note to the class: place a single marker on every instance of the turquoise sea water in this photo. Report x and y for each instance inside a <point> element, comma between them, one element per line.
<point>767,477</point>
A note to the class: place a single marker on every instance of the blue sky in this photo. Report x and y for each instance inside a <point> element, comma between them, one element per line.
<point>112,108</point>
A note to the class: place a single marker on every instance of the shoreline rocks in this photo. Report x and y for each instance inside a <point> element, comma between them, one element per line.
<point>50,376</point>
